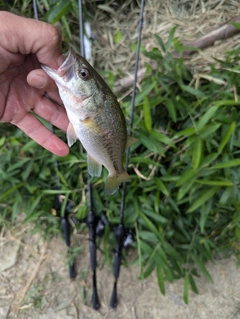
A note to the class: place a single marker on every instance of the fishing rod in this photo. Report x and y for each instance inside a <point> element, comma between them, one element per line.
<point>123,236</point>
<point>58,202</point>
<point>97,224</point>
<point>91,221</point>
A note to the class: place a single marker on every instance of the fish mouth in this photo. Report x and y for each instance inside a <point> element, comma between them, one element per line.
<point>67,66</point>
<point>66,71</point>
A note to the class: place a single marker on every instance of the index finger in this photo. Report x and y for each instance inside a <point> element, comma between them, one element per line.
<point>25,36</point>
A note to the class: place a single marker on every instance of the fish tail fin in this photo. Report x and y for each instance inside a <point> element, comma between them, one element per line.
<point>113,182</point>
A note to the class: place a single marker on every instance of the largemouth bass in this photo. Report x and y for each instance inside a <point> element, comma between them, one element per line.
<point>95,116</point>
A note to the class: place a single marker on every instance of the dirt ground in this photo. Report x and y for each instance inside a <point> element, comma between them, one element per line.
<point>35,285</point>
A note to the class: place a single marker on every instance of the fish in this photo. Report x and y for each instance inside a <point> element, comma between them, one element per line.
<point>95,118</point>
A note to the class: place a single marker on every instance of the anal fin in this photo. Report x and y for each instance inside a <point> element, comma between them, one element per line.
<point>94,168</point>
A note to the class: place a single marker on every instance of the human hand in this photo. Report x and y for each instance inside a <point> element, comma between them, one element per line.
<point>24,45</point>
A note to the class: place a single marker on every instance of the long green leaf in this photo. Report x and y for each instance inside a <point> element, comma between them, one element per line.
<point>226,183</point>
<point>193,284</point>
<point>208,130</point>
<point>192,91</point>
<point>226,138</point>
<point>186,288</point>
<point>162,187</point>
<point>186,176</point>
<point>149,224</point>
<point>197,153</point>
<point>231,163</point>
<point>170,38</point>
<point>206,117</point>
<point>147,114</point>
<point>186,132</point>
<point>162,138</point>
<point>160,42</point>
<point>202,199</point>
<point>201,266</point>
<point>171,110</point>
<point>11,190</point>
<point>185,188</point>
<point>160,279</point>
<point>58,11</point>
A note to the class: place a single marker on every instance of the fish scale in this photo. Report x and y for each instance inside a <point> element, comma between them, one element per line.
<point>95,116</point>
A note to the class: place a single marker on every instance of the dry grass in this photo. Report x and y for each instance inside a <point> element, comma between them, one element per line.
<point>193,18</point>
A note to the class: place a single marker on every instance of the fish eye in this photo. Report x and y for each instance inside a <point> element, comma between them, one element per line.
<point>84,74</point>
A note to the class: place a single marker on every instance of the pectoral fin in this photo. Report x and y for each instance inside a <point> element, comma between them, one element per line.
<point>130,141</point>
<point>71,135</point>
<point>94,168</point>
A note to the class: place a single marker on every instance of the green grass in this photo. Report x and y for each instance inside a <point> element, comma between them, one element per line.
<point>183,200</point>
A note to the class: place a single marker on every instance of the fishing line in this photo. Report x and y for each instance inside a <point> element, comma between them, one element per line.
<point>81,30</point>
<point>59,203</point>
<point>82,51</point>
<point>91,220</point>
<point>140,26</point>
<point>96,226</point>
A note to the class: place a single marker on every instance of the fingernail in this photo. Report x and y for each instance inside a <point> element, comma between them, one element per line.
<point>37,80</point>
<point>60,60</point>
<point>41,80</point>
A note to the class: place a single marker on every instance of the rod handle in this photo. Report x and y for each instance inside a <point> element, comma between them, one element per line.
<point>72,273</point>
<point>113,301</point>
<point>117,264</point>
<point>95,300</point>
<point>66,230</point>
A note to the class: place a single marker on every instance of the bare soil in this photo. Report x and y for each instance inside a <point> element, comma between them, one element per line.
<point>35,284</point>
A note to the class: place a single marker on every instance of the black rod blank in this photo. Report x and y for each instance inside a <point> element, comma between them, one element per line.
<point>91,220</point>
<point>120,233</point>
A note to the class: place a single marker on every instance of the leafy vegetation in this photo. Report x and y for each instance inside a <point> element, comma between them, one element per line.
<point>183,200</point>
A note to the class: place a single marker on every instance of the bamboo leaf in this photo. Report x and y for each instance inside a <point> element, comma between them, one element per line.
<point>226,138</point>
<point>192,91</point>
<point>202,199</point>
<point>225,183</point>
<point>58,11</point>
<point>201,266</point>
<point>162,186</point>
<point>197,153</point>
<point>149,224</point>
<point>170,38</point>
<point>162,138</point>
<point>186,176</point>
<point>151,143</point>
<point>193,284</point>
<point>160,279</point>
<point>208,130</point>
<point>231,163</point>
<point>226,195</point>
<point>186,288</point>
<point>147,114</point>
<point>186,132</point>
<point>171,109</point>
<point>11,190</point>
<point>184,189</point>
<point>205,118</point>
<point>160,42</point>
